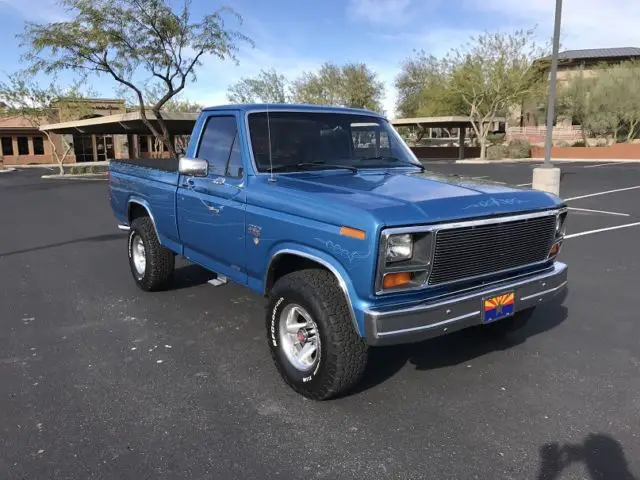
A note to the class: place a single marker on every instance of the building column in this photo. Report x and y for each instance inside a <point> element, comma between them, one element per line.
<point>461,132</point>
<point>130,146</point>
<point>14,142</point>
<point>94,147</point>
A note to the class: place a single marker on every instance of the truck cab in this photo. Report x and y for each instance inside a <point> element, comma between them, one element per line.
<point>327,213</point>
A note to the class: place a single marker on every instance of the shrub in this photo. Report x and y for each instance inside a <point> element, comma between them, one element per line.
<point>519,149</point>
<point>495,138</point>
<point>92,169</point>
<point>562,143</point>
<point>496,152</point>
<point>579,143</point>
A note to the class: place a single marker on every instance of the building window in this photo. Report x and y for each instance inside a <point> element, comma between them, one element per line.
<point>23,146</point>
<point>38,146</point>
<point>7,146</point>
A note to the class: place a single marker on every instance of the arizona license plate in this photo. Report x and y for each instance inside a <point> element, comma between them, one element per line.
<point>498,307</point>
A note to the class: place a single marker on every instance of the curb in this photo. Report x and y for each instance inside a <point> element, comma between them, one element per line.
<point>477,161</point>
<point>83,176</point>
<point>7,170</point>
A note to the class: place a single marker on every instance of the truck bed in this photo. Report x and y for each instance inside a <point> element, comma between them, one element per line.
<point>164,164</point>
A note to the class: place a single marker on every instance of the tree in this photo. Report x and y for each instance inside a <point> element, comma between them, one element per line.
<point>133,42</point>
<point>494,73</point>
<point>351,85</point>
<point>268,87</point>
<point>24,97</point>
<point>424,88</point>
<point>618,90</point>
<point>574,101</point>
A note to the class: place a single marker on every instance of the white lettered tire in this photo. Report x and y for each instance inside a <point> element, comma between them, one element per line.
<point>312,338</point>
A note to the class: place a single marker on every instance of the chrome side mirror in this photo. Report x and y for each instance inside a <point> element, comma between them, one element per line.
<point>193,167</point>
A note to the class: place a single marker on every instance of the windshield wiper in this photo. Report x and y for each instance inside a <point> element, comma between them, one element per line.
<point>304,165</point>
<point>395,160</point>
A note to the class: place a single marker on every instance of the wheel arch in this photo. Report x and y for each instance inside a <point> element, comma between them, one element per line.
<point>139,208</point>
<point>288,260</point>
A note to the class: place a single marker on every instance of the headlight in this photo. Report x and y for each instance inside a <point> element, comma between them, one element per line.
<point>399,247</point>
<point>561,224</point>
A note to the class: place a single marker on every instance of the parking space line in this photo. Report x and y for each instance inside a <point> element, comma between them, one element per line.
<point>602,193</point>
<point>599,211</point>
<point>606,164</point>
<point>524,184</point>
<point>589,232</point>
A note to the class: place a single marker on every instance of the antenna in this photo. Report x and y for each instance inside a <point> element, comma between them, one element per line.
<point>271,178</point>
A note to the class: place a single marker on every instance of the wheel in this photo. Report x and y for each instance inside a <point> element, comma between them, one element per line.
<point>312,338</point>
<point>510,324</point>
<point>151,264</point>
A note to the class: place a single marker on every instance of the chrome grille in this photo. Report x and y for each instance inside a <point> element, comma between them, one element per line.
<point>474,251</point>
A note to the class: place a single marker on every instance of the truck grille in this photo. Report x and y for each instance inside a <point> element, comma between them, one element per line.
<point>484,249</point>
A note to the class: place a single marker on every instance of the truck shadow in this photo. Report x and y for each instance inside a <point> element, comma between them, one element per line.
<point>190,275</point>
<point>602,456</point>
<point>453,349</point>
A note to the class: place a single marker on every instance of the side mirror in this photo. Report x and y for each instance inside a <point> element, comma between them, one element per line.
<point>193,167</point>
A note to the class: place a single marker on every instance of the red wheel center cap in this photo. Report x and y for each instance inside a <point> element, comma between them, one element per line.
<point>301,336</point>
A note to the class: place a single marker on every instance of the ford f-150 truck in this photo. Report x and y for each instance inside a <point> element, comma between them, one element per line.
<point>327,213</point>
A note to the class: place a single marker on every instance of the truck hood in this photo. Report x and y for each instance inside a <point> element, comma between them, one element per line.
<point>404,198</point>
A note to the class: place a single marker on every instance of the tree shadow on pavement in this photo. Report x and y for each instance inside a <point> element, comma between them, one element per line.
<point>602,455</point>
<point>97,238</point>
<point>455,348</point>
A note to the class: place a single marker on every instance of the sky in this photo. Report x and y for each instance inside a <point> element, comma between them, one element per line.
<point>294,36</point>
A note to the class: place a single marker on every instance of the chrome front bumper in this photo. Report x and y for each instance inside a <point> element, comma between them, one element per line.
<point>445,315</point>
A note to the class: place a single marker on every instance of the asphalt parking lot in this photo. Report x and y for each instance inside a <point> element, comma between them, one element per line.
<point>101,380</point>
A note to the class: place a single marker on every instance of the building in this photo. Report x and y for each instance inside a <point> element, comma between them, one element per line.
<point>527,122</point>
<point>22,143</point>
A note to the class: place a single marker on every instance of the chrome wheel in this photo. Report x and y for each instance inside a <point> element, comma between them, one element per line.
<point>139,255</point>
<point>299,337</point>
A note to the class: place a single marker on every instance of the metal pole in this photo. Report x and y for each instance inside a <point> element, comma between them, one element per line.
<point>552,85</point>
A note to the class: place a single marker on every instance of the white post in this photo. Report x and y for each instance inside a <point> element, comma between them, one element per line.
<point>547,177</point>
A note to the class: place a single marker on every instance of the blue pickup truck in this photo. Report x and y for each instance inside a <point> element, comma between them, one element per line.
<point>327,213</point>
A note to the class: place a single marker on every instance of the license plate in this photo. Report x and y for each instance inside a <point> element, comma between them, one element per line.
<point>498,307</point>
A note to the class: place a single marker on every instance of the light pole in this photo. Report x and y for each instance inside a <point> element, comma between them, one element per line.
<point>548,178</point>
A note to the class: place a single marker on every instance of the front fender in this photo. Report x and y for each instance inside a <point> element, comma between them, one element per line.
<point>356,306</point>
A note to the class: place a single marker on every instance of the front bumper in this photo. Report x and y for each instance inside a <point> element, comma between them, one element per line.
<point>455,312</point>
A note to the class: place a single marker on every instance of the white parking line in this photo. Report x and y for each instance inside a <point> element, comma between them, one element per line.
<point>589,232</point>
<point>602,193</point>
<point>606,164</point>
<point>524,184</point>
<point>599,211</point>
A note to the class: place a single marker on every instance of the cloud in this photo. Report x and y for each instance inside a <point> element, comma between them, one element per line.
<point>585,23</point>
<point>380,11</point>
<point>37,10</point>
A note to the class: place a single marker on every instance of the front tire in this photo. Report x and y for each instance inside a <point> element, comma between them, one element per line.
<point>313,342</point>
<point>151,264</point>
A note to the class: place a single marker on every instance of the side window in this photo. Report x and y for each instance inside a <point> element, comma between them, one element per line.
<point>234,167</point>
<point>369,140</point>
<point>216,142</point>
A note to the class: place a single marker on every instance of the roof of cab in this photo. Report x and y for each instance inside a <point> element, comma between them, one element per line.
<point>290,106</point>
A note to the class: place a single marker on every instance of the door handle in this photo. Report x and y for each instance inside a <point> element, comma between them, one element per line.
<point>218,181</point>
<point>213,209</point>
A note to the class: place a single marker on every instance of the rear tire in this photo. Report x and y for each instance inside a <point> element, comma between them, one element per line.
<point>307,309</point>
<point>151,264</point>
<point>509,325</point>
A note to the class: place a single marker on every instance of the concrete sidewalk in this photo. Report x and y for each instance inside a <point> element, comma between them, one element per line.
<point>55,165</point>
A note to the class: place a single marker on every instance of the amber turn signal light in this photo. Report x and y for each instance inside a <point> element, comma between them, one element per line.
<point>555,249</point>
<point>353,233</point>
<point>396,279</point>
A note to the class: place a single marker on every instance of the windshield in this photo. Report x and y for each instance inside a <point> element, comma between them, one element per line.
<point>299,139</point>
